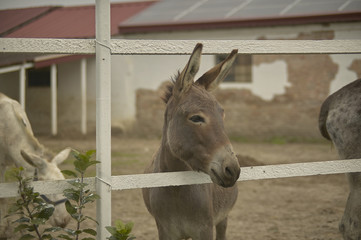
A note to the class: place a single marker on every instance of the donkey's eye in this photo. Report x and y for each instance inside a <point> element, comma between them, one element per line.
<point>197,119</point>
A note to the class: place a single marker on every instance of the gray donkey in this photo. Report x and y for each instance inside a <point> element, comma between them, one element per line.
<point>340,121</point>
<point>194,139</point>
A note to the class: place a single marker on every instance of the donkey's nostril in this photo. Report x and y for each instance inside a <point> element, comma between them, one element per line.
<point>229,172</point>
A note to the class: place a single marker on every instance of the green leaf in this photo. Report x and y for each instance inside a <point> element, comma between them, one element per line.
<point>70,231</point>
<point>46,212</point>
<point>90,218</point>
<point>77,184</point>
<point>53,229</point>
<point>88,238</point>
<point>26,237</point>
<point>70,208</point>
<point>91,198</point>
<point>46,236</point>
<point>14,208</point>
<point>63,236</point>
<point>21,227</point>
<point>90,152</point>
<point>111,230</point>
<point>69,173</point>
<point>79,166</point>
<point>38,221</point>
<point>71,194</point>
<point>119,225</point>
<point>129,226</point>
<point>90,231</point>
<point>22,220</point>
<point>38,200</point>
<point>78,217</point>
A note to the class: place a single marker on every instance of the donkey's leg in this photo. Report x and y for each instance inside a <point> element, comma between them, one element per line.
<point>221,230</point>
<point>3,201</point>
<point>3,205</point>
<point>165,233</point>
<point>204,234</point>
<point>350,225</point>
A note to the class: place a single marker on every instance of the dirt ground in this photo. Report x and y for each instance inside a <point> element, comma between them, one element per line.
<point>292,208</point>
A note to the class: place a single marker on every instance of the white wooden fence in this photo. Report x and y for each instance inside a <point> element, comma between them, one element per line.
<point>104,47</point>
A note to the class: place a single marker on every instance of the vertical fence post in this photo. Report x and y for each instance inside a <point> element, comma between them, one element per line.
<point>22,79</point>
<point>103,121</point>
<point>54,99</point>
<point>83,96</point>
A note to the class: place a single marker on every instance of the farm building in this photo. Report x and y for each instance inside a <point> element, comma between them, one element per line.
<point>265,96</point>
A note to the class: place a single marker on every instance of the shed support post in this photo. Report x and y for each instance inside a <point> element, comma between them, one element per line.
<point>22,79</point>
<point>103,118</point>
<point>83,96</point>
<point>54,97</point>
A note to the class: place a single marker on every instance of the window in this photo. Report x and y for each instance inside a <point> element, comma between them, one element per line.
<point>241,71</point>
<point>38,77</point>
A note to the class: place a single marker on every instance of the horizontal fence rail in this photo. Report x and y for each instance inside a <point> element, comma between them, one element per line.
<point>179,47</point>
<point>126,182</point>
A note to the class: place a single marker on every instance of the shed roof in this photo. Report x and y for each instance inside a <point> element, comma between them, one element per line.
<point>58,22</point>
<point>12,19</point>
<point>75,22</point>
<point>169,15</point>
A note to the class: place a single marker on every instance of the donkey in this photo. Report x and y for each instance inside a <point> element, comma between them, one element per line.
<point>19,146</point>
<point>340,122</point>
<point>194,139</point>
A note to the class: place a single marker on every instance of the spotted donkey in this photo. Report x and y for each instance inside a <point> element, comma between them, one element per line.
<point>340,122</point>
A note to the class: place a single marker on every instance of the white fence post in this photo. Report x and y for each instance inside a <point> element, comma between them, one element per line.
<point>103,121</point>
<point>22,81</point>
<point>83,84</point>
<point>54,99</point>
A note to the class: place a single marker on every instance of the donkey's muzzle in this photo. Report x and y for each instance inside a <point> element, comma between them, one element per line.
<point>225,169</point>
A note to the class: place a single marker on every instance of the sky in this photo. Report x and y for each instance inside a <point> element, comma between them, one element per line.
<point>10,4</point>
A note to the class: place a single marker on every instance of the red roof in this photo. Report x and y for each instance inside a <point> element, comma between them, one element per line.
<point>14,18</point>
<point>76,22</point>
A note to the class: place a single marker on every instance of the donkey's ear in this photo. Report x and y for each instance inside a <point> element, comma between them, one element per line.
<point>186,78</point>
<point>33,160</point>
<point>61,157</point>
<point>211,79</point>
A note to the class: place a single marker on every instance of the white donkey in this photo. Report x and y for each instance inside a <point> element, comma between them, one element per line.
<point>19,146</point>
<point>340,121</point>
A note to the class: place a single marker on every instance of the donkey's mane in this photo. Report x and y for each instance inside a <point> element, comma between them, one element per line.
<point>168,92</point>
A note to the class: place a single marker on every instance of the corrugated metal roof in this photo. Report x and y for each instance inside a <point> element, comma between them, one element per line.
<point>186,14</point>
<point>76,22</point>
<point>15,18</point>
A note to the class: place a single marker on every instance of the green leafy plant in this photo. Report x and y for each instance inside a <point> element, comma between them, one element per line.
<point>78,196</point>
<point>32,210</point>
<point>121,231</point>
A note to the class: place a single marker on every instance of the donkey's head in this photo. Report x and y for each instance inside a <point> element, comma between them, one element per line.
<point>194,122</point>
<point>46,168</point>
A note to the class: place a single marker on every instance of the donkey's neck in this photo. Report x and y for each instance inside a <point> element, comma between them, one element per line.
<point>168,162</point>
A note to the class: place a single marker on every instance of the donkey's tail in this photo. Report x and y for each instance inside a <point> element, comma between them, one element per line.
<point>323,118</point>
